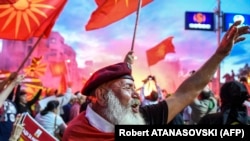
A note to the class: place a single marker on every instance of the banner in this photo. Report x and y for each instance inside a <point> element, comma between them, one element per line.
<point>33,131</point>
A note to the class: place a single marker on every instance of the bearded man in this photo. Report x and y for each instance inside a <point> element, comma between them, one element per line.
<point>116,101</point>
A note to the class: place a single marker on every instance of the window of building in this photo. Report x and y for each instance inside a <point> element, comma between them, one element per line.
<point>52,40</point>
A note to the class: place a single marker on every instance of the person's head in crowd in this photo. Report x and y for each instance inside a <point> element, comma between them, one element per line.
<point>232,95</point>
<point>22,97</point>
<point>52,106</point>
<point>205,94</point>
<point>243,79</point>
<point>115,97</point>
<point>81,98</point>
<point>153,96</point>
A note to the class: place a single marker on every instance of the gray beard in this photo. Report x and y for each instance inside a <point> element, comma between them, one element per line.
<point>119,114</point>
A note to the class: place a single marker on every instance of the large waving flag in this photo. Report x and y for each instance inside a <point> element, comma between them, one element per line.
<point>25,19</point>
<point>110,11</point>
<point>159,52</point>
<point>36,68</point>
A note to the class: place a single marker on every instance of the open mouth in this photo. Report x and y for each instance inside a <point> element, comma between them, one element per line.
<point>135,105</point>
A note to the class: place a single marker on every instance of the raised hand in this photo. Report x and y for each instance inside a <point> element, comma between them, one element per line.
<point>129,57</point>
<point>232,36</point>
<point>18,127</point>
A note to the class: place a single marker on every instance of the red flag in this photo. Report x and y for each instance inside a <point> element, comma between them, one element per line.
<point>7,1</point>
<point>58,68</point>
<point>25,19</point>
<point>159,52</point>
<point>110,11</point>
<point>63,85</point>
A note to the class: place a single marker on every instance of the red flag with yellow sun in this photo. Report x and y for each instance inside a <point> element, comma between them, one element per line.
<point>110,11</point>
<point>36,68</point>
<point>28,18</point>
<point>31,86</point>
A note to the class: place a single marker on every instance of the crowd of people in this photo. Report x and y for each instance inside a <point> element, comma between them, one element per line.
<point>109,98</point>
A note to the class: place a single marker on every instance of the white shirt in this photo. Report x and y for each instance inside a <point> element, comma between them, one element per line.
<point>48,121</point>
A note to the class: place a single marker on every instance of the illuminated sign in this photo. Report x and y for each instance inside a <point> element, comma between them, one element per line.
<point>199,21</point>
<point>230,18</point>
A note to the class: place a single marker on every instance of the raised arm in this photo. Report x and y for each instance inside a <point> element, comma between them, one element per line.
<point>193,85</point>
<point>158,88</point>
<point>35,98</point>
<point>6,91</point>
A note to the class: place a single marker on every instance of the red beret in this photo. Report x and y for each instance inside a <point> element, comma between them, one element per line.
<point>106,74</point>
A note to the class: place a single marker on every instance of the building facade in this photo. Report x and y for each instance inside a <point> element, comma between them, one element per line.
<point>53,50</point>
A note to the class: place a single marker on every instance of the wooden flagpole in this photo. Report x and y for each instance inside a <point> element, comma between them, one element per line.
<point>30,52</point>
<point>136,23</point>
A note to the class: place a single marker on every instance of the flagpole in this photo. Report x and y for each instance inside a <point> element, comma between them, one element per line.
<point>136,23</point>
<point>30,52</point>
<point>12,77</point>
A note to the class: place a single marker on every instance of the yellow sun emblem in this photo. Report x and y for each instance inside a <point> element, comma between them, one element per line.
<point>36,68</point>
<point>24,11</point>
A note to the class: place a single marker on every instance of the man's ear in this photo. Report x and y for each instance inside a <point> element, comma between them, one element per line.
<point>101,96</point>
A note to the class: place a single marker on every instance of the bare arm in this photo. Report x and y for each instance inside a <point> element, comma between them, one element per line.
<point>193,85</point>
<point>6,91</point>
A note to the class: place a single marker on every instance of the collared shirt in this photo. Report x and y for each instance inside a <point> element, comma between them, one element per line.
<point>98,122</point>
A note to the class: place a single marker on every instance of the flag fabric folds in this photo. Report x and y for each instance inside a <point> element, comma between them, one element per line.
<point>110,11</point>
<point>36,68</point>
<point>7,1</point>
<point>31,86</point>
<point>63,85</point>
<point>23,20</point>
<point>159,52</point>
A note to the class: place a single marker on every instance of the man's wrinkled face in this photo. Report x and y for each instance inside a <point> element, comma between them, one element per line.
<point>123,103</point>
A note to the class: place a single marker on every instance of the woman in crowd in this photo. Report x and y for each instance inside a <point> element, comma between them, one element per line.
<point>50,119</point>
